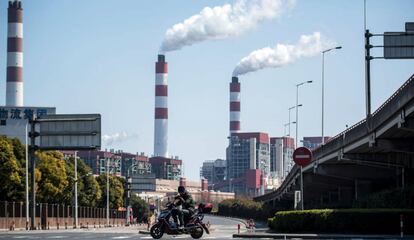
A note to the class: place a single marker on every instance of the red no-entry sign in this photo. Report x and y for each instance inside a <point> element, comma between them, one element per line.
<point>302,156</point>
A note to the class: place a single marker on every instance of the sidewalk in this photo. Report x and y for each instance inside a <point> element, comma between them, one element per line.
<point>317,236</point>
<point>114,229</point>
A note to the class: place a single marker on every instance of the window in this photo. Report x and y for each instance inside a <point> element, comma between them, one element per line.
<point>3,122</point>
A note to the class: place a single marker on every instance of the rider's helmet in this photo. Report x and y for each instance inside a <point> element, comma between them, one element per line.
<point>181,189</point>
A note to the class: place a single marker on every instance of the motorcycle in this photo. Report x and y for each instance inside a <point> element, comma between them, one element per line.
<point>193,224</point>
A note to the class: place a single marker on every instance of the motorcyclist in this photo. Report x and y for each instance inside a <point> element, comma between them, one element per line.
<point>184,199</point>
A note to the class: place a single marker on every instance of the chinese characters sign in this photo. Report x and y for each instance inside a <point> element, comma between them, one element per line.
<point>18,113</point>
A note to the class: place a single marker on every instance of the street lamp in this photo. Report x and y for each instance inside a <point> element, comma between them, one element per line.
<point>288,124</point>
<point>76,189</point>
<point>75,179</point>
<point>107,192</point>
<point>300,105</point>
<point>297,106</point>
<point>27,175</point>
<point>323,87</point>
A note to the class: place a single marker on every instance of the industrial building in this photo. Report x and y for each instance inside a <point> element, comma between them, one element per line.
<point>214,171</point>
<point>281,156</point>
<point>116,162</point>
<point>153,189</point>
<point>313,142</point>
<point>166,168</point>
<point>248,163</point>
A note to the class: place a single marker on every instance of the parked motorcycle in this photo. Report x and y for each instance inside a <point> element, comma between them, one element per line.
<point>193,224</point>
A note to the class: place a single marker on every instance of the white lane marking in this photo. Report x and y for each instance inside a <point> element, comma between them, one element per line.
<point>121,237</point>
<point>146,237</point>
<point>57,237</point>
<point>26,237</point>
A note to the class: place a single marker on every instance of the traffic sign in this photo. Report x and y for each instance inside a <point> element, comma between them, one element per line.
<point>69,131</point>
<point>302,156</point>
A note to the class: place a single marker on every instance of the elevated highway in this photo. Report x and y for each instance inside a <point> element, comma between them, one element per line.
<point>374,154</point>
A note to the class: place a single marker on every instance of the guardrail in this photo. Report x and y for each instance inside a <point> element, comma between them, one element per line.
<point>56,216</point>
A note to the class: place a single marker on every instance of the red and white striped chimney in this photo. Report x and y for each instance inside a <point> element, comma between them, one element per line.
<point>14,88</point>
<point>234,105</point>
<point>161,108</point>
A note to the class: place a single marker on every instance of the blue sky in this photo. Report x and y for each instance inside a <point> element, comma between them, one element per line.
<point>97,56</point>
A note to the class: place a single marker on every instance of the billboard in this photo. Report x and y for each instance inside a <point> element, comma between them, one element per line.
<point>69,131</point>
<point>398,45</point>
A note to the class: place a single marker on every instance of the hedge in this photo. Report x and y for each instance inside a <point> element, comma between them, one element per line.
<point>243,208</point>
<point>357,221</point>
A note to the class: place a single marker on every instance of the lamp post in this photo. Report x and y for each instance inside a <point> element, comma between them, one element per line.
<point>297,106</point>
<point>75,180</point>
<point>27,175</point>
<point>300,105</point>
<point>323,87</point>
<point>107,192</point>
<point>286,125</point>
<point>76,190</point>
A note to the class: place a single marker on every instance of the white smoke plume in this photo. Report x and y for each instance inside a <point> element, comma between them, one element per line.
<point>110,140</point>
<point>222,22</point>
<point>282,54</point>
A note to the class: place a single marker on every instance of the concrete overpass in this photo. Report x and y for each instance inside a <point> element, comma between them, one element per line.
<point>374,154</point>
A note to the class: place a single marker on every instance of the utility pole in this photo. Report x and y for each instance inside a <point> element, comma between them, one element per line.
<point>76,190</point>
<point>33,167</point>
<point>27,176</point>
<point>107,192</point>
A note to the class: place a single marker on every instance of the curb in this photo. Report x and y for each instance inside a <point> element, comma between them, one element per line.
<point>319,236</point>
<point>143,232</point>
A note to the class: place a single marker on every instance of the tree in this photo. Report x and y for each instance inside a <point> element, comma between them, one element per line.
<point>116,191</point>
<point>19,151</point>
<point>53,178</point>
<point>12,184</point>
<point>140,208</point>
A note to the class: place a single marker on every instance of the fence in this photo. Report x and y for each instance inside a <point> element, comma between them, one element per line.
<point>57,216</point>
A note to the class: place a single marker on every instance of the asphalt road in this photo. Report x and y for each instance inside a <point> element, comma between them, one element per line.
<point>222,228</point>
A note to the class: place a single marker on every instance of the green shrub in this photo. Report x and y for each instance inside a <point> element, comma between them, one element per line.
<point>244,208</point>
<point>368,221</point>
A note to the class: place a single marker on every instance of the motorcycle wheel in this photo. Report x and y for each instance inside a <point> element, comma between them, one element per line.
<point>157,231</point>
<point>197,232</point>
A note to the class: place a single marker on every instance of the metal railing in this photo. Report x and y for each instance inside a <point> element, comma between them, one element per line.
<point>57,216</point>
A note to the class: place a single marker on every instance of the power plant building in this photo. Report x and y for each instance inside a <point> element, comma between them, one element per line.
<point>248,163</point>
<point>166,168</point>
<point>117,163</point>
<point>281,156</point>
<point>313,142</point>
<point>214,171</point>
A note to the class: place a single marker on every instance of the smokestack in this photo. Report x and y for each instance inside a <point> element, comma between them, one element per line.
<point>234,105</point>
<point>14,88</point>
<point>161,108</point>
